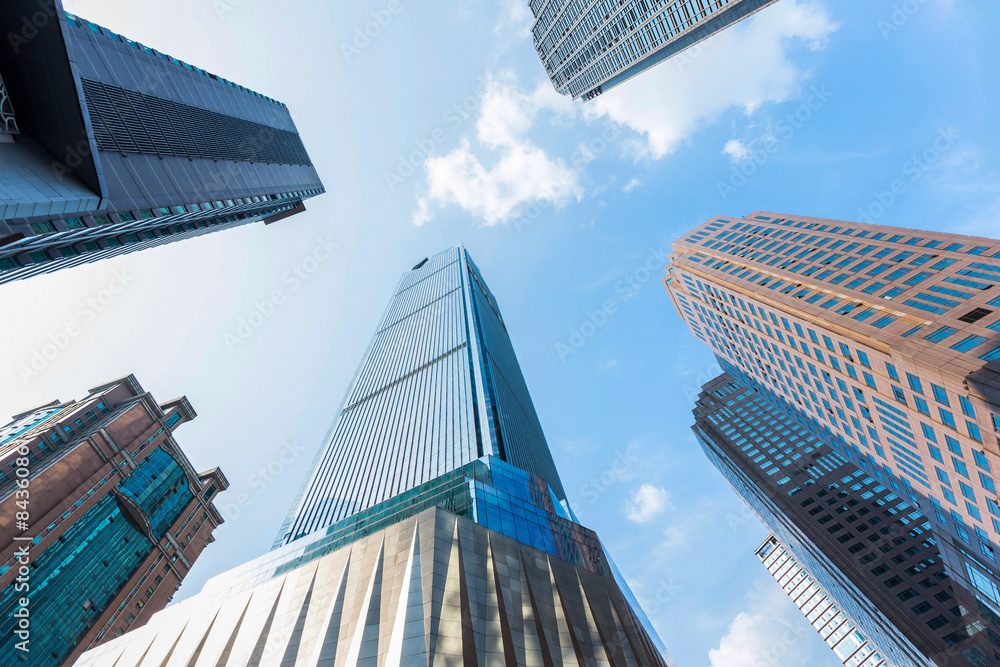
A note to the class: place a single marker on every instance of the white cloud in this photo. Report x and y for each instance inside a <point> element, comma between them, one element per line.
<point>736,150</point>
<point>646,503</point>
<point>771,632</point>
<point>522,174</point>
<point>423,214</point>
<point>742,67</point>
<point>631,185</point>
<point>516,17</point>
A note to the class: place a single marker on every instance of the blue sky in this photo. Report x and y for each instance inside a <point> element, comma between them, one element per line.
<point>442,128</point>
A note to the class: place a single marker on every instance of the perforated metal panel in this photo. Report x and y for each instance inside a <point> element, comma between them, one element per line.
<point>126,121</point>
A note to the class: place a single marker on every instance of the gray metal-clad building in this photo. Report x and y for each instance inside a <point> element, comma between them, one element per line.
<point>108,146</point>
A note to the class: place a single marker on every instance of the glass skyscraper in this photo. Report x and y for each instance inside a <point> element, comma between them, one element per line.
<point>439,387</point>
<point>432,528</point>
<point>861,562</point>
<point>590,47</point>
<point>108,146</point>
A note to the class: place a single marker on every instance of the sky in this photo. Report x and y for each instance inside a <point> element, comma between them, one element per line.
<point>440,127</point>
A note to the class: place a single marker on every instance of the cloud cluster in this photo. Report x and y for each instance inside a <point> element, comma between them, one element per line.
<point>521,174</point>
<point>771,633</point>
<point>504,171</point>
<point>647,503</point>
<point>747,65</point>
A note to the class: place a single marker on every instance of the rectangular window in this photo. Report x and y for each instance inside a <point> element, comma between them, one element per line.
<point>967,408</point>
<point>974,431</point>
<point>987,483</point>
<point>42,227</point>
<point>991,355</point>
<point>981,460</point>
<point>892,371</point>
<point>940,334</point>
<point>75,223</point>
<point>863,358</point>
<point>869,380</point>
<point>960,467</point>
<point>940,395</point>
<point>947,418</point>
<point>969,343</point>
<point>915,383</point>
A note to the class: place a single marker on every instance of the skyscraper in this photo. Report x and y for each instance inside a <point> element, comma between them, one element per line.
<point>103,517</point>
<point>590,47</point>
<point>432,529</point>
<point>438,387</point>
<point>859,561</point>
<point>835,627</point>
<point>880,340</point>
<point>108,146</point>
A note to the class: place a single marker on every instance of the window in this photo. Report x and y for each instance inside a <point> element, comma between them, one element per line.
<point>969,343</point>
<point>42,227</point>
<point>974,315</point>
<point>960,467</point>
<point>947,418</point>
<point>940,395</point>
<point>981,461</point>
<point>915,383</point>
<point>967,408</point>
<point>974,431</point>
<point>991,355</point>
<point>863,358</point>
<point>75,223</point>
<point>940,334</point>
<point>102,219</point>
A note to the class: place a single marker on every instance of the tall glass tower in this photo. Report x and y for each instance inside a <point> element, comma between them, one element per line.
<point>432,528</point>
<point>589,47</point>
<point>438,388</point>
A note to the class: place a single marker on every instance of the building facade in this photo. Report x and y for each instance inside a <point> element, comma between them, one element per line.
<point>432,529</point>
<point>109,521</point>
<point>109,146</point>
<point>438,387</point>
<point>863,563</point>
<point>588,48</point>
<point>883,341</point>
